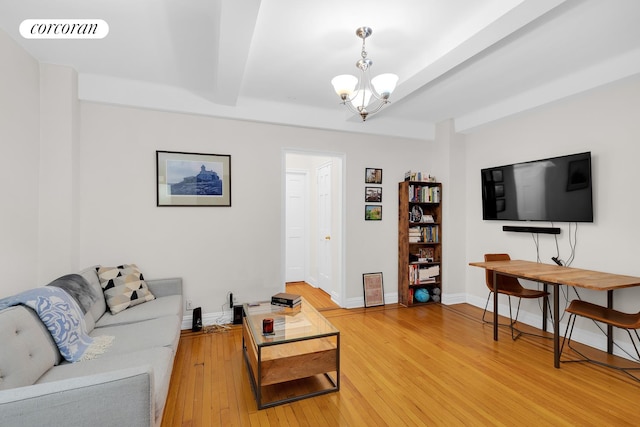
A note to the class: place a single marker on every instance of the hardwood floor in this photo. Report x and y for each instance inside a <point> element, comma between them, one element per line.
<point>428,365</point>
<point>318,298</point>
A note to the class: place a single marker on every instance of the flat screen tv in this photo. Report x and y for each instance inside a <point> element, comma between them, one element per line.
<point>556,190</point>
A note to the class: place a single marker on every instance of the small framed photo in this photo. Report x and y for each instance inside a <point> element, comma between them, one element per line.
<point>372,212</point>
<point>373,289</point>
<point>192,179</point>
<point>373,176</point>
<point>373,194</point>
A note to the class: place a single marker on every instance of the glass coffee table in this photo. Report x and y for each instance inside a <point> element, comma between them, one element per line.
<point>300,359</point>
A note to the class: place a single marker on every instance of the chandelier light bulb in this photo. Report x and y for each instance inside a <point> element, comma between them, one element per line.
<point>361,97</point>
<point>344,85</point>
<point>384,84</point>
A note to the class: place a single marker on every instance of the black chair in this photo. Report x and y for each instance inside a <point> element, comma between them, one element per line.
<point>511,287</point>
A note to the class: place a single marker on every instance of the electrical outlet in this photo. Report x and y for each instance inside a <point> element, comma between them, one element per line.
<point>189,304</point>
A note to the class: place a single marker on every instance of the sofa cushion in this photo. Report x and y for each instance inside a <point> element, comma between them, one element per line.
<point>164,306</point>
<point>27,350</point>
<point>160,359</point>
<point>160,332</point>
<point>84,294</point>
<point>123,287</point>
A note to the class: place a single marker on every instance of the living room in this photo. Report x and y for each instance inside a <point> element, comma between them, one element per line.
<point>80,188</point>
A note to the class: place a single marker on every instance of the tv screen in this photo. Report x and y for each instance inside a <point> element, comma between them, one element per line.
<point>556,189</point>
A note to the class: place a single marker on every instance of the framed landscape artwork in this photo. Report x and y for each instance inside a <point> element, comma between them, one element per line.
<point>373,212</point>
<point>193,179</point>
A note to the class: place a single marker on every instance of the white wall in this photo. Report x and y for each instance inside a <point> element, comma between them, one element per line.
<point>59,147</point>
<point>603,121</point>
<point>217,250</point>
<point>19,171</point>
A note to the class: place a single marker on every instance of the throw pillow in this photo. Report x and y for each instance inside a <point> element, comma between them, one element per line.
<point>123,287</point>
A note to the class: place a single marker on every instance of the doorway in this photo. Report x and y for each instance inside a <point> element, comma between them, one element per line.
<point>313,215</point>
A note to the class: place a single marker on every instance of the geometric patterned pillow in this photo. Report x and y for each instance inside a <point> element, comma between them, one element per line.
<point>123,287</point>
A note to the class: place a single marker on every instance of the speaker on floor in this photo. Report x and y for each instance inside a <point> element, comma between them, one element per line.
<point>197,319</point>
<point>237,315</point>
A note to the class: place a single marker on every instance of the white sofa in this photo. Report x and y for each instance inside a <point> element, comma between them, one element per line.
<point>125,386</point>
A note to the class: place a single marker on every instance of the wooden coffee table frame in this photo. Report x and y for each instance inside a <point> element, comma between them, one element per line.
<point>280,359</point>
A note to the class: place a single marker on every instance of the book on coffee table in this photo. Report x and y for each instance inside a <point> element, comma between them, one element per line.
<point>286,300</point>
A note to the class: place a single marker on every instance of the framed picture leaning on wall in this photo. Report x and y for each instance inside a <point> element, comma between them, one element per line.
<point>373,289</point>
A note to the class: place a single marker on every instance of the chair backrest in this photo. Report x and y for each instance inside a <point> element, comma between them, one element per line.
<point>505,283</point>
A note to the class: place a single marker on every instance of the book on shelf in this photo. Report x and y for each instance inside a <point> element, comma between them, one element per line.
<point>428,254</point>
<point>429,273</point>
<point>285,299</point>
<point>419,274</point>
<point>419,176</point>
<point>424,194</point>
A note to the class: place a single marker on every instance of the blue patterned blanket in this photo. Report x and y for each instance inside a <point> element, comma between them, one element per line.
<point>63,317</point>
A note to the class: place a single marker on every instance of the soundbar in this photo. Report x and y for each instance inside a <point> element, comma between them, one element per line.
<point>525,229</point>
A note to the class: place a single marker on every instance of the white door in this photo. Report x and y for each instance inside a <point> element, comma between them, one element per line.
<point>324,228</point>
<point>295,220</point>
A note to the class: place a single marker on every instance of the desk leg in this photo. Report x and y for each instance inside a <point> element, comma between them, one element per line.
<point>556,325</point>
<point>609,327</point>
<point>545,307</point>
<point>495,305</point>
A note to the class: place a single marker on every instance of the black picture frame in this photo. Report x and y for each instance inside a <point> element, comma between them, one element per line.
<point>373,288</point>
<point>192,179</point>
<point>373,194</point>
<point>373,212</point>
<point>372,176</point>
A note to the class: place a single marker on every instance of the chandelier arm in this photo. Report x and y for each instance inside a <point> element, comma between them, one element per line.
<point>378,107</point>
<point>350,106</point>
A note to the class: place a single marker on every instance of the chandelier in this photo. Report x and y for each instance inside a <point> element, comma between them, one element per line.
<point>365,96</point>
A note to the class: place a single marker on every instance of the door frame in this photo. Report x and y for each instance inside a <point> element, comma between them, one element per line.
<point>339,199</point>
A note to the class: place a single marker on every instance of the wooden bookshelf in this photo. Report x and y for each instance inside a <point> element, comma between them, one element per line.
<point>419,242</point>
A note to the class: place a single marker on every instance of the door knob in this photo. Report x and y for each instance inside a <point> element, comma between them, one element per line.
<point>327,237</point>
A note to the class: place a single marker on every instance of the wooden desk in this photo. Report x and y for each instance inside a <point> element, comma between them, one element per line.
<point>556,275</point>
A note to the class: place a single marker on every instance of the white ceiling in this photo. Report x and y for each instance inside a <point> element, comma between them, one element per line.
<point>473,61</point>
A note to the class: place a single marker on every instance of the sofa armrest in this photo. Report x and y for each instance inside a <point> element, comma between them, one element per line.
<point>118,398</point>
<point>165,287</point>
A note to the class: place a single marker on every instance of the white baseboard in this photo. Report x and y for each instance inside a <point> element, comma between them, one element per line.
<point>219,318</point>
